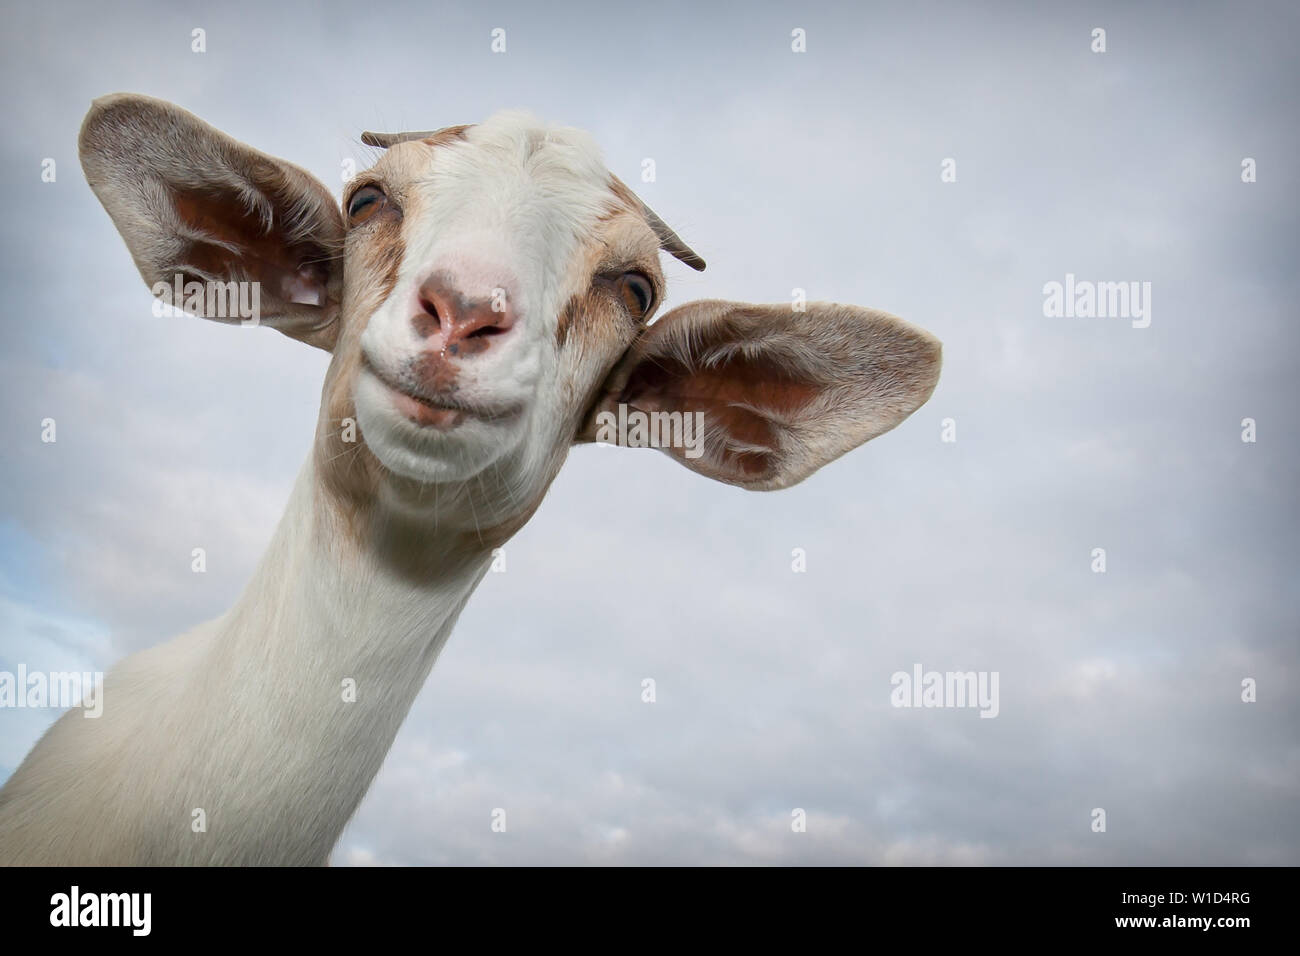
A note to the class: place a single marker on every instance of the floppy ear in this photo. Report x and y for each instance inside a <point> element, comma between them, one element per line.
<point>191,201</point>
<point>781,392</point>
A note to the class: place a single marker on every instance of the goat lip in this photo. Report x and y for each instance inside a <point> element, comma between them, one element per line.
<point>441,411</point>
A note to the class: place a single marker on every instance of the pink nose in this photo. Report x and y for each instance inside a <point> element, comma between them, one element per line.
<point>455,324</point>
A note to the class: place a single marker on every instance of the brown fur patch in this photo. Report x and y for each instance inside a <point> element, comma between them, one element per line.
<point>448,135</point>
<point>625,198</point>
<point>348,470</point>
<point>566,319</point>
<point>435,372</point>
<point>380,252</point>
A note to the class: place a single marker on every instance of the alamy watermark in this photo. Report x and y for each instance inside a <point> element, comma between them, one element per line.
<point>210,300</point>
<point>1085,299</point>
<point>922,688</point>
<point>57,689</point>
<point>129,910</point>
<point>633,428</point>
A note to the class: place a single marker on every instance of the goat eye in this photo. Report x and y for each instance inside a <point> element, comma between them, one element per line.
<point>365,202</point>
<point>636,292</point>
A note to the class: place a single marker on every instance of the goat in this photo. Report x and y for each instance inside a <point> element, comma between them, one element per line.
<point>485,293</point>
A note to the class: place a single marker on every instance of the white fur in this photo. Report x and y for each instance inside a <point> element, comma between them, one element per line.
<point>243,717</point>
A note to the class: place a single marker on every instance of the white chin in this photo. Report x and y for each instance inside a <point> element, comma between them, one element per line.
<point>426,453</point>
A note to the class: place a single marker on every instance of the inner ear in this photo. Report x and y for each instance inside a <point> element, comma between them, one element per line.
<point>744,401</point>
<point>227,238</point>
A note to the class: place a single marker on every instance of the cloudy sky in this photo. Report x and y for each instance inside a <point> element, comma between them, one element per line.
<point>819,170</point>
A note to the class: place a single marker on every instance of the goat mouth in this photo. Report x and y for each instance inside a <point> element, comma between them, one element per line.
<point>442,412</point>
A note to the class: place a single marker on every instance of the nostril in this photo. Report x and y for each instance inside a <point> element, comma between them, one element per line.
<point>485,331</point>
<point>428,322</point>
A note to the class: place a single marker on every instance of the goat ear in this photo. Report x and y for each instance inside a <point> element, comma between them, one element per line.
<point>780,393</point>
<point>191,202</point>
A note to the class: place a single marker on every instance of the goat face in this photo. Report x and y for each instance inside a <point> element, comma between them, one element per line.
<point>486,294</point>
<point>494,274</point>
